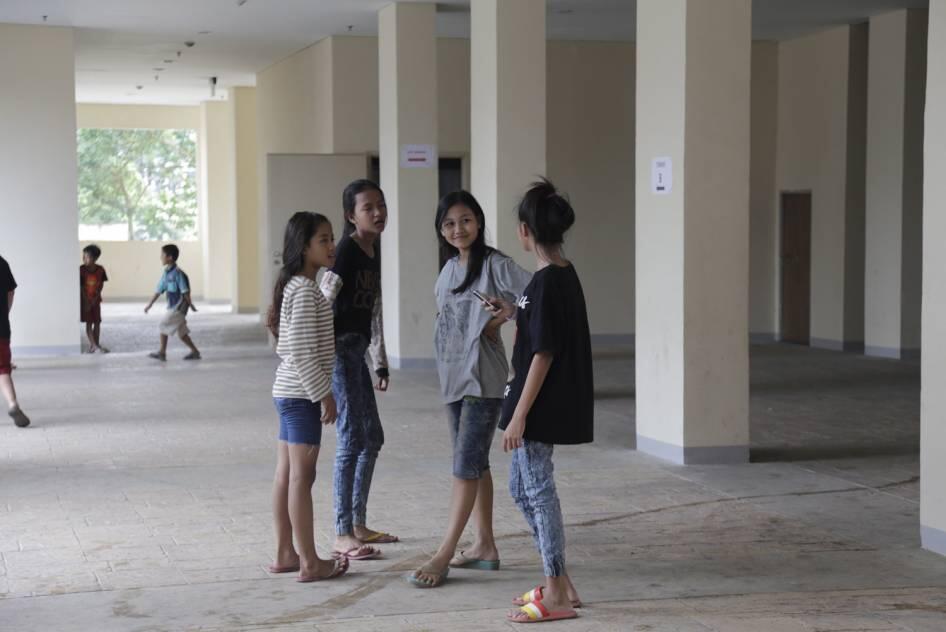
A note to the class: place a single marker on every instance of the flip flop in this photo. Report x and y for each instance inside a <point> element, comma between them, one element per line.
<point>273,568</point>
<point>441,578</point>
<point>341,567</point>
<point>537,613</point>
<point>536,594</point>
<point>371,553</point>
<point>475,563</point>
<point>380,538</point>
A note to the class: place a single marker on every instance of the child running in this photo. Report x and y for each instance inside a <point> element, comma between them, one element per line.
<point>353,285</point>
<point>175,283</point>
<point>7,290</point>
<point>550,401</point>
<point>92,278</point>
<point>471,361</point>
<point>301,320</point>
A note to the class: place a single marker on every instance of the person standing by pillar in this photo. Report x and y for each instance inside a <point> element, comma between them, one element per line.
<point>7,289</point>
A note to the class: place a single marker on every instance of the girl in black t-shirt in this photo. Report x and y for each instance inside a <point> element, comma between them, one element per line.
<point>551,398</point>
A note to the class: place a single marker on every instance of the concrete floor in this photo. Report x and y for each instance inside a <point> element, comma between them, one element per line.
<point>139,500</point>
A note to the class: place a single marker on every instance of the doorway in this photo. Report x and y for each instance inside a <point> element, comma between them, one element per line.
<point>796,268</point>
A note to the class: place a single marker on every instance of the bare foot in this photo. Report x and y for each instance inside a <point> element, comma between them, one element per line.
<point>364,534</point>
<point>321,569</point>
<point>344,543</point>
<point>285,562</point>
<point>476,552</point>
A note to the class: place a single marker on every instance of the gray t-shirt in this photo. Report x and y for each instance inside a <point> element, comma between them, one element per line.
<point>469,363</point>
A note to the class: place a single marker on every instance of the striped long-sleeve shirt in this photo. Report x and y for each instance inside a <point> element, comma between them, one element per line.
<point>306,342</point>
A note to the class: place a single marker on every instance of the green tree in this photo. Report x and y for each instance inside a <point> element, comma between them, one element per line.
<point>145,179</point>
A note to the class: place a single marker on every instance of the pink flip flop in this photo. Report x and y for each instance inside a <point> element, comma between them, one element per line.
<point>538,613</point>
<point>367,553</point>
<point>536,594</point>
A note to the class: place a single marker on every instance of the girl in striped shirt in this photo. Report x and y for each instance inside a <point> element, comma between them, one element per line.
<point>301,320</point>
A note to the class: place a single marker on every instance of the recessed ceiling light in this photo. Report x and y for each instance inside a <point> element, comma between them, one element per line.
<point>169,61</point>
<point>158,69</point>
<point>204,32</point>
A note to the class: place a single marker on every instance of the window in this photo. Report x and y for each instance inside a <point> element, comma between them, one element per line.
<point>137,184</point>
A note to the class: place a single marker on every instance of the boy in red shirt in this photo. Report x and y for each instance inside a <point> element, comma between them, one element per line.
<point>92,278</point>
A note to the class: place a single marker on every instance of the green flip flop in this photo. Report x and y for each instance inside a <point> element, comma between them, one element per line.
<point>475,564</point>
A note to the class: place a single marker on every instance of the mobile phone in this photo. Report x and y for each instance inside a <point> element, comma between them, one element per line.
<point>485,301</point>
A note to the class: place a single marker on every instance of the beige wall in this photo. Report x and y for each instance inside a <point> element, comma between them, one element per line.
<point>39,214</point>
<point>137,116</point>
<point>295,102</point>
<point>354,79</point>
<point>134,267</point>
<point>763,210</point>
<point>933,392</point>
<point>591,157</point>
<point>814,149</point>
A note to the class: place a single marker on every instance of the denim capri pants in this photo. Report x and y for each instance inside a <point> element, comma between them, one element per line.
<point>300,421</point>
<point>472,423</point>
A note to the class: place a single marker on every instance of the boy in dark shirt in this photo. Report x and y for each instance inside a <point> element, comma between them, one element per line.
<point>7,288</point>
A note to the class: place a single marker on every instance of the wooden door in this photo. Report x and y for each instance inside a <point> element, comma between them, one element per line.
<point>796,268</point>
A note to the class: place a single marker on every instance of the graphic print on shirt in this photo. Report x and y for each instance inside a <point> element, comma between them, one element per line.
<point>366,288</point>
<point>455,317</point>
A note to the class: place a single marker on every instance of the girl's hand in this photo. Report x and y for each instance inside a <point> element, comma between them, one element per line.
<point>512,437</point>
<point>382,384</point>
<point>491,331</point>
<point>329,410</point>
<point>501,308</point>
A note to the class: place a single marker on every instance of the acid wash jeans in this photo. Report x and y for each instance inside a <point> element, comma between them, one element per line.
<point>532,486</point>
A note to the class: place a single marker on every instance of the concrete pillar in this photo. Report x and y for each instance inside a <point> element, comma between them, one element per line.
<point>508,115</point>
<point>407,47</point>
<point>217,190</point>
<point>39,216</point>
<point>246,264</point>
<point>933,392</point>
<point>896,96</point>
<point>692,238</point>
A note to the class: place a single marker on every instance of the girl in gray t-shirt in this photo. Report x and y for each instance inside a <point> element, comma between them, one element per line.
<point>471,361</point>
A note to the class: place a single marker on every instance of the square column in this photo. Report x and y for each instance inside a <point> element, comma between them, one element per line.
<point>894,231</point>
<point>217,188</point>
<point>39,218</point>
<point>508,116</point>
<point>407,48</point>
<point>692,238</point>
<point>245,291</point>
<point>933,392</point>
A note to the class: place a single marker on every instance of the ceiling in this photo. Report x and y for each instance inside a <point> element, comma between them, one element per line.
<point>124,44</point>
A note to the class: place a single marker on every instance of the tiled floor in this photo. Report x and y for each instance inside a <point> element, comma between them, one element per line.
<point>139,500</point>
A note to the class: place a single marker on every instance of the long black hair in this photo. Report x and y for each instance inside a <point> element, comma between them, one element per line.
<point>299,232</point>
<point>479,250</point>
<point>349,196</point>
<point>547,213</point>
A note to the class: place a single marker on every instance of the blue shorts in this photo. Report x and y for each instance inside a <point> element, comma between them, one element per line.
<point>300,421</point>
<point>472,423</point>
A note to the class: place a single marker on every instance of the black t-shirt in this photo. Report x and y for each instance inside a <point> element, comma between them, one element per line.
<point>553,318</point>
<point>7,284</point>
<point>361,282</point>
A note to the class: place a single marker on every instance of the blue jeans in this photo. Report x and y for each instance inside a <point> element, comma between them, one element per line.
<point>359,435</point>
<point>532,486</point>
<point>472,426</point>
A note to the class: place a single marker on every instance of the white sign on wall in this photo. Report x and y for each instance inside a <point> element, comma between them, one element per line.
<point>661,176</point>
<point>418,156</point>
